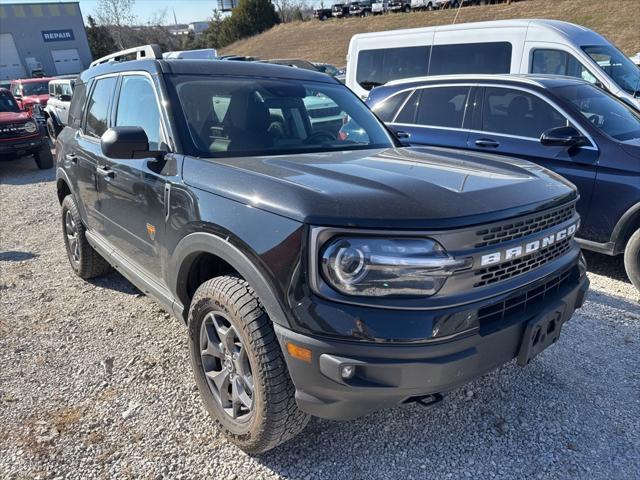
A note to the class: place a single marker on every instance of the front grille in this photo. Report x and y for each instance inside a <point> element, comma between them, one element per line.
<point>521,301</point>
<point>324,112</point>
<point>13,130</point>
<point>523,227</point>
<point>518,266</point>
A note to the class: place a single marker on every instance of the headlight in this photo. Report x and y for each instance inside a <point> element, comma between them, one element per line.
<point>387,266</point>
<point>30,127</point>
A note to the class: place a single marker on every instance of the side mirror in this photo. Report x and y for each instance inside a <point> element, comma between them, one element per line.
<point>563,137</point>
<point>65,98</point>
<point>127,143</point>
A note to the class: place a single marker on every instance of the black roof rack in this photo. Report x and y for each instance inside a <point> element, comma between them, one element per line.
<point>146,51</point>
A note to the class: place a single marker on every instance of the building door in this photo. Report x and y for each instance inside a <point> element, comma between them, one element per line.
<point>66,61</point>
<point>10,65</point>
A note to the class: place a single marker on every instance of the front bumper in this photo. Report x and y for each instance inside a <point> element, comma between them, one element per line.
<point>20,146</point>
<point>388,374</point>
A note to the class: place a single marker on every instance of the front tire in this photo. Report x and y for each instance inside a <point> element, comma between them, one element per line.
<point>84,260</point>
<point>632,259</point>
<point>52,130</point>
<point>43,157</point>
<point>239,368</point>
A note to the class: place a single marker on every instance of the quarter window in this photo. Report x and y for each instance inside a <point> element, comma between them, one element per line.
<point>386,110</point>
<point>558,62</point>
<point>377,67</point>
<point>514,112</point>
<point>493,57</point>
<point>137,106</point>
<point>98,107</point>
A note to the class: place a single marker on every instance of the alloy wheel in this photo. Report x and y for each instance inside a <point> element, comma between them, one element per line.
<point>71,231</point>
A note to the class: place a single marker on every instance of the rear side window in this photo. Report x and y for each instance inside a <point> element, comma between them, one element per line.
<point>77,104</point>
<point>518,113</point>
<point>137,91</point>
<point>387,109</point>
<point>442,106</point>
<point>377,67</point>
<point>558,62</point>
<point>98,107</point>
<point>494,57</point>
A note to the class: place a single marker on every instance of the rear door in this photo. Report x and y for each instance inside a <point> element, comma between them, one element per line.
<point>435,115</point>
<point>133,192</point>
<point>509,121</point>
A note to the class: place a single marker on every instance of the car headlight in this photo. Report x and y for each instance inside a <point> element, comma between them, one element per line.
<point>376,266</point>
<point>30,127</point>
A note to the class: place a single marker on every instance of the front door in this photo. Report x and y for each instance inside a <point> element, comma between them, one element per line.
<point>132,192</point>
<point>511,121</point>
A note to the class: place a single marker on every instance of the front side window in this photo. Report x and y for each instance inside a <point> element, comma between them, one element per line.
<point>442,106</point>
<point>98,107</point>
<point>514,112</point>
<point>243,117</point>
<point>137,91</point>
<point>494,57</point>
<point>7,103</point>
<point>607,113</point>
<point>559,62</point>
<point>377,67</point>
<point>617,66</point>
<point>65,89</point>
<point>77,105</point>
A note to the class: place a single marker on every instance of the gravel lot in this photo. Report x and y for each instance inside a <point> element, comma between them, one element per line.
<point>95,383</point>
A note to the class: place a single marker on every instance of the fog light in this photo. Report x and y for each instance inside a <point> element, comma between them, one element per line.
<point>347,371</point>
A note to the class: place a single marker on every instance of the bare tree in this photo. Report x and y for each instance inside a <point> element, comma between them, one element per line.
<point>115,15</point>
<point>289,10</point>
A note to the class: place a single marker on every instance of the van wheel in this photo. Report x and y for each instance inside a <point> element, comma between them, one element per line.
<point>429,7</point>
<point>632,259</point>
<point>84,260</point>
<point>52,130</point>
<point>239,368</point>
<point>407,9</point>
<point>43,157</point>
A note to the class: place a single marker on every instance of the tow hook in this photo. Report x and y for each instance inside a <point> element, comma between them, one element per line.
<point>426,400</point>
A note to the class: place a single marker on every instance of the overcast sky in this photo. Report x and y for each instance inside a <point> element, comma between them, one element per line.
<point>186,10</point>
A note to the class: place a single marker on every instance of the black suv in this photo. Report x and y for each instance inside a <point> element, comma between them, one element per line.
<point>317,274</point>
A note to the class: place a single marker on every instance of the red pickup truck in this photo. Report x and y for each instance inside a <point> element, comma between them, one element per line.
<point>20,133</point>
<point>29,91</point>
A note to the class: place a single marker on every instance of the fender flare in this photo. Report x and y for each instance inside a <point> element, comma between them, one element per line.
<point>51,113</point>
<point>197,243</point>
<point>618,236</point>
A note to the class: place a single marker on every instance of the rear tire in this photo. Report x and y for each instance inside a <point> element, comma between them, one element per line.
<point>632,259</point>
<point>52,130</point>
<point>243,382</point>
<point>43,157</point>
<point>84,260</point>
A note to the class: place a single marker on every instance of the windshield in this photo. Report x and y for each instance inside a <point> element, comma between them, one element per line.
<point>617,66</point>
<point>606,112</point>
<point>7,103</point>
<point>242,117</point>
<point>35,88</point>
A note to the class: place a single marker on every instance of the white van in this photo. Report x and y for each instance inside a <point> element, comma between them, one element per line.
<point>502,46</point>
<point>201,54</point>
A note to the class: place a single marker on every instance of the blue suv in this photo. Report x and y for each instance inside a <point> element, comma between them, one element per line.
<point>564,124</point>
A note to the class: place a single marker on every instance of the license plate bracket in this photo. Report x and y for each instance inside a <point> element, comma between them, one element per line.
<point>541,332</point>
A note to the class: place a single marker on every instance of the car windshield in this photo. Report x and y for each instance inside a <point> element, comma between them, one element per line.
<point>35,88</point>
<point>227,117</point>
<point>606,112</point>
<point>617,66</point>
<point>7,103</point>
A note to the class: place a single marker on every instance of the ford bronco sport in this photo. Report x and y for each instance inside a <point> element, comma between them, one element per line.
<point>317,275</point>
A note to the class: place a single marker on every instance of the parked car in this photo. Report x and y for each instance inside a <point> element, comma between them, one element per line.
<point>567,125</point>
<point>30,91</point>
<point>360,9</point>
<point>238,58</point>
<point>502,46</point>
<point>427,4</point>
<point>316,276</point>
<point>292,62</point>
<point>327,68</point>
<point>636,59</point>
<point>378,7</point>
<point>20,134</point>
<point>340,10</point>
<point>399,6</point>
<point>322,13</point>
<point>57,110</point>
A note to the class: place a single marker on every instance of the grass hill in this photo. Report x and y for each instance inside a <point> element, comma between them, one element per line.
<point>328,41</point>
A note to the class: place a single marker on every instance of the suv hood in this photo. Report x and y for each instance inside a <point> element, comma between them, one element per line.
<point>391,188</point>
<point>14,117</point>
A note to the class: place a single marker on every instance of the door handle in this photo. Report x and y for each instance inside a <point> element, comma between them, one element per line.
<point>487,143</point>
<point>72,158</point>
<point>167,200</point>
<point>105,172</point>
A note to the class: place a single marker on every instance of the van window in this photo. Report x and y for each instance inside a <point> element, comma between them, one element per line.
<point>386,110</point>
<point>558,62</point>
<point>494,57</point>
<point>442,106</point>
<point>98,107</point>
<point>377,67</point>
<point>514,112</point>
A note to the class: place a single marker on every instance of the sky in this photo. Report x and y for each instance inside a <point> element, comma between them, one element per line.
<point>186,10</point>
